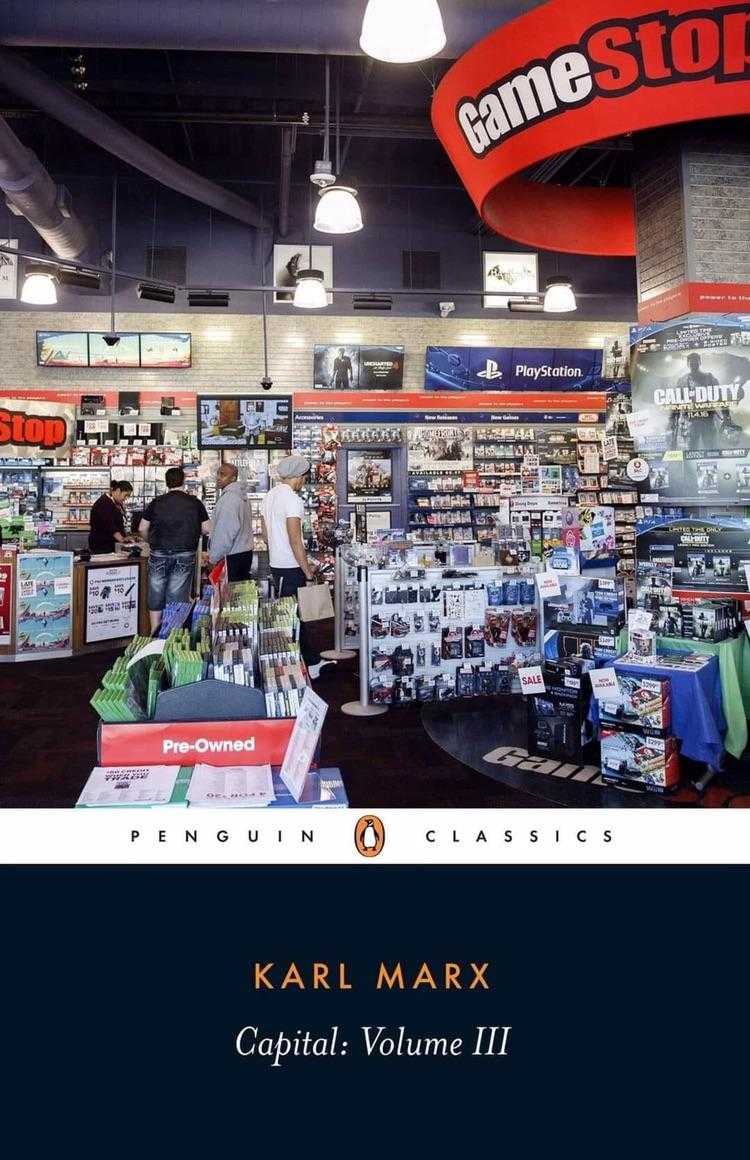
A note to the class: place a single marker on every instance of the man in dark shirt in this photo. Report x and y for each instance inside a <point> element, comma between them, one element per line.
<point>173,524</point>
<point>107,518</point>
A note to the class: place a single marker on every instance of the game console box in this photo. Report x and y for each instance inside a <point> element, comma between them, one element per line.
<point>556,722</point>
<point>631,758</point>
<point>645,702</point>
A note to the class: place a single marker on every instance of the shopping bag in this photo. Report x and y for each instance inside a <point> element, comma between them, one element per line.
<point>315,602</point>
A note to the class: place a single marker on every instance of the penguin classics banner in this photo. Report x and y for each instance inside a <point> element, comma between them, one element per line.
<point>691,403</point>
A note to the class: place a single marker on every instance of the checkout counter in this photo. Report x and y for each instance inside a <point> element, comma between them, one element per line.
<point>52,605</point>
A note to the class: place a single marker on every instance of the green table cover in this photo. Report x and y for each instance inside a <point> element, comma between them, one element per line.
<point>734,671</point>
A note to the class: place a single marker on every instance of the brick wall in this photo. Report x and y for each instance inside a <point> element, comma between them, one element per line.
<point>717,188</point>
<point>660,229</point>
<point>228,352</point>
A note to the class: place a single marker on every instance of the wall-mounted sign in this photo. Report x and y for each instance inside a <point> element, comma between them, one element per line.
<point>35,429</point>
<point>564,75</point>
<point>497,368</point>
<point>75,348</point>
<point>8,269</point>
<point>706,556</point>
<point>506,274</point>
<point>351,368</point>
<point>111,603</point>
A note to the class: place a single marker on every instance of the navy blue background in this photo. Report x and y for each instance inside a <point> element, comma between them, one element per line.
<point>124,988</point>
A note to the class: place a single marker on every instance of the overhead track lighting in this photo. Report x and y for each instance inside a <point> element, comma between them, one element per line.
<point>372,302</point>
<point>530,305</point>
<point>39,286</point>
<point>78,276</point>
<point>210,298</point>
<point>310,292</point>
<point>402,33</point>
<point>559,297</point>
<point>149,292</point>
<point>338,211</point>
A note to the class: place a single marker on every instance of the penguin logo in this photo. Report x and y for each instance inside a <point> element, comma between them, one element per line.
<point>369,836</point>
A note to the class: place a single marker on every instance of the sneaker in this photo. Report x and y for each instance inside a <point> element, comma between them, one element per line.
<point>316,670</point>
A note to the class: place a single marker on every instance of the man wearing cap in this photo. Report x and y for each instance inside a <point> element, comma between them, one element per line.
<point>231,526</point>
<point>283,512</point>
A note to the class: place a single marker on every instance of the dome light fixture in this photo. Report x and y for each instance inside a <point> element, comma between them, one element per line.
<point>338,211</point>
<point>39,287</point>
<point>402,33</point>
<point>310,291</point>
<point>559,297</point>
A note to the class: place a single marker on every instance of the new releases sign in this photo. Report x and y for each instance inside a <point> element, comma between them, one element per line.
<point>35,428</point>
<point>495,368</point>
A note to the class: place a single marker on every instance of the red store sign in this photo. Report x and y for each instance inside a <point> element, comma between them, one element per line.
<point>569,74</point>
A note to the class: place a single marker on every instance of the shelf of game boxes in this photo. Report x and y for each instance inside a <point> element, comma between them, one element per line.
<point>436,637</point>
<point>319,443</point>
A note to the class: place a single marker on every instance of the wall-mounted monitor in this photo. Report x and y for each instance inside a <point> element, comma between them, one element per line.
<point>256,421</point>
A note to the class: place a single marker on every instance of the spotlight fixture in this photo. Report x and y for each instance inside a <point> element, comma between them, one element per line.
<point>402,33</point>
<point>310,291</point>
<point>39,287</point>
<point>149,292</point>
<point>372,302</point>
<point>210,298</point>
<point>338,211</point>
<point>111,339</point>
<point>80,277</point>
<point>530,305</point>
<point>559,297</point>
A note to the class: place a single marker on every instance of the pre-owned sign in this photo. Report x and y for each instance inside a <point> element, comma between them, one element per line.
<point>567,74</point>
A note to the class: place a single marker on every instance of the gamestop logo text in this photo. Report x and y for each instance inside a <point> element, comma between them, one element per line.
<point>205,745</point>
<point>45,431</point>
<point>611,59</point>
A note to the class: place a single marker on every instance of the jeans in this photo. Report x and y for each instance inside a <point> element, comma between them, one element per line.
<point>170,579</point>
<point>286,582</point>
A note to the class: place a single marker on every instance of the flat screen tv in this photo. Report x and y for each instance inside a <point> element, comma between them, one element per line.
<point>256,421</point>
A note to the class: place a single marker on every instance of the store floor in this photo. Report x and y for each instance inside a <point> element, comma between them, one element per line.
<point>48,745</point>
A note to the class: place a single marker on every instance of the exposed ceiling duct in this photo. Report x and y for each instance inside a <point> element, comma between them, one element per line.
<point>31,192</point>
<point>28,82</point>
<point>304,26</point>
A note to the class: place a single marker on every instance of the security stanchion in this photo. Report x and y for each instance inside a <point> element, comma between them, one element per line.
<point>339,653</point>
<point>362,707</point>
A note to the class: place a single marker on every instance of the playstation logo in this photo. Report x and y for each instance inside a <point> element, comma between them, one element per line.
<point>490,370</point>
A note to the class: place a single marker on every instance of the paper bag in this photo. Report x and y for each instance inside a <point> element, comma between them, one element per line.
<point>315,602</point>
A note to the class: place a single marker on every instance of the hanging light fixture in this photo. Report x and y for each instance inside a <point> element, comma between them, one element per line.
<point>559,297</point>
<point>402,32</point>
<point>39,287</point>
<point>310,291</point>
<point>338,211</point>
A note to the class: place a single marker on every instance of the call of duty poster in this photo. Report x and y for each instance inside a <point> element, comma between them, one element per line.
<point>691,385</point>
<point>706,556</point>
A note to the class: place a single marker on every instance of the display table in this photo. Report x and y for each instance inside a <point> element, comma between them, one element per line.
<point>697,710</point>
<point>734,673</point>
<point>109,601</point>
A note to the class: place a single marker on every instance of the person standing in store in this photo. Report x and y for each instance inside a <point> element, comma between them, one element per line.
<point>107,518</point>
<point>283,512</point>
<point>231,526</point>
<point>173,524</point>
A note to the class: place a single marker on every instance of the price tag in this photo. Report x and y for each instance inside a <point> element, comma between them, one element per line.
<point>650,497</point>
<point>548,584</point>
<point>63,585</point>
<point>604,684</point>
<point>639,620</point>
<point>572,682</point>
<point>638,423</point>
<point>531,680</point>
<point>610,448</point>
<point>606,585</point>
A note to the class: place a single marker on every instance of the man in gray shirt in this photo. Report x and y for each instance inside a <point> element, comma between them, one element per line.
<point>232,526</point>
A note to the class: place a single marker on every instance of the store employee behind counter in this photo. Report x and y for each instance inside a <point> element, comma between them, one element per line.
<point>283,511</point>
<point>231,526</point>
<point>172,523</point>
<point>107,519</point>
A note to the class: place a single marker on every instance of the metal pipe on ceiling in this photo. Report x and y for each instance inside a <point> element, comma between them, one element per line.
<point>31,193</point>
<point>28,82</point>
<point>305,26</point>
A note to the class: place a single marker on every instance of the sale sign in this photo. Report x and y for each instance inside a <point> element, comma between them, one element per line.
<point>532,680</point>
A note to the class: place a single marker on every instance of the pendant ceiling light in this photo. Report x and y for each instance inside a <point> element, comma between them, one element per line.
<point>402,31</point>
<point>310,291</point>
<point>338,211</point>
<point>559,297</point>
<point>39,287</point>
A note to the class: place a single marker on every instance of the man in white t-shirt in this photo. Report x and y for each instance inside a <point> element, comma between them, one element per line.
<point>283,512</point>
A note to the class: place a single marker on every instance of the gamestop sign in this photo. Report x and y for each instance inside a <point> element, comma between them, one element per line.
<point>35,429</point>
<point>570,73</point>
